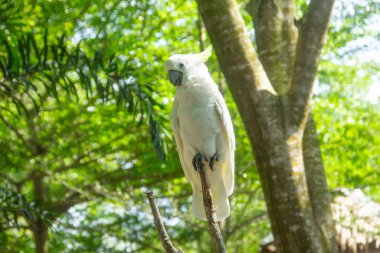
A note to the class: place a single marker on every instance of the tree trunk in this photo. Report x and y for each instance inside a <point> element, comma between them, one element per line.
<point>276,37</point>
<point>39,228</point>
<point>274,103</point>
<point>40,237</point>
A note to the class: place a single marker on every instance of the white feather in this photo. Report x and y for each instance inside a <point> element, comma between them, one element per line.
<point>228,131</point>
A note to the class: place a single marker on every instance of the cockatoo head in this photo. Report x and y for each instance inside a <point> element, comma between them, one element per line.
<point>187,69</point>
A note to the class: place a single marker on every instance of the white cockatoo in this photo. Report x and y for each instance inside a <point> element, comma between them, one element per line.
<point>202,125</point>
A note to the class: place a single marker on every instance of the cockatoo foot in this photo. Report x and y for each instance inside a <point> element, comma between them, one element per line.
<point>198,162</point>
<point>214,158</point>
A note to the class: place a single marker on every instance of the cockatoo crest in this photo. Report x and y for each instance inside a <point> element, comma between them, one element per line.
<point>203,56</point>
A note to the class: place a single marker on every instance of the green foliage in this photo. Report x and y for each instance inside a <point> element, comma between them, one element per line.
<point>82,104</point>
<point>11,17</point>
<point>348,126</point>
<point>13,205</point>
<point>38,72</point>
<point>347,121</point>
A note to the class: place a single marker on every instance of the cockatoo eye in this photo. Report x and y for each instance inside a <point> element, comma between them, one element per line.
<point>181,65</point>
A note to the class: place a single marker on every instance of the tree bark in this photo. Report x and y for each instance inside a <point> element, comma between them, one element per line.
<point>318,188</point>
<point>276,38</point>
<point>163,235</point>
<point>275,124</point>
<point>208,202</point>
<point>40,236</point>
<point>39,228</point>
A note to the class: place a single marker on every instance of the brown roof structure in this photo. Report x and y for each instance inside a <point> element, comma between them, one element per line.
<point>357,220</point>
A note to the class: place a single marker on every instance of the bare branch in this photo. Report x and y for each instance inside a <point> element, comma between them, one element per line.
<point>208,202</point>
<point>114,177</point>
<point>62,206</point>
<point>246,223</point>
<point>164,237</point>
<point>310,41</point>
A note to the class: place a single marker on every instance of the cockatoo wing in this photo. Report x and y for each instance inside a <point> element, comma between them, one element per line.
<point>178,140</point>
<point>228,133</point>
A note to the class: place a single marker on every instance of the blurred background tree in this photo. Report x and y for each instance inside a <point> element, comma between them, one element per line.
<point>84,124</point>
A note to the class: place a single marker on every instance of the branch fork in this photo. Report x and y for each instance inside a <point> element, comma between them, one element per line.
<point>208,202</point>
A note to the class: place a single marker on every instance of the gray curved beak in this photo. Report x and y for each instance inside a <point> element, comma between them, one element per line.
<point>175,77</point>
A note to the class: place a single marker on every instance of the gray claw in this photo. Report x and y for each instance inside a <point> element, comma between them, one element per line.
<point>214,158</point>
<point>198,161</point>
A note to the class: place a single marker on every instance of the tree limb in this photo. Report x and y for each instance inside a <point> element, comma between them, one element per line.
<point>310,41</point>
<point>164,237</point>
<point>276,38</point>
<point>244,73</point>
<point>317,186</point>
<point>233,46</point>
<point>15,131</point>
<point>62,206</point>
<point>246,223</point>
<point>208,202</point>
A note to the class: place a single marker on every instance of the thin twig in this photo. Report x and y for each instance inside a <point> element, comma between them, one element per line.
<point>15,131</point>
<point>246,222</point>
<point>164,237</point>
<point>208,202</point>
